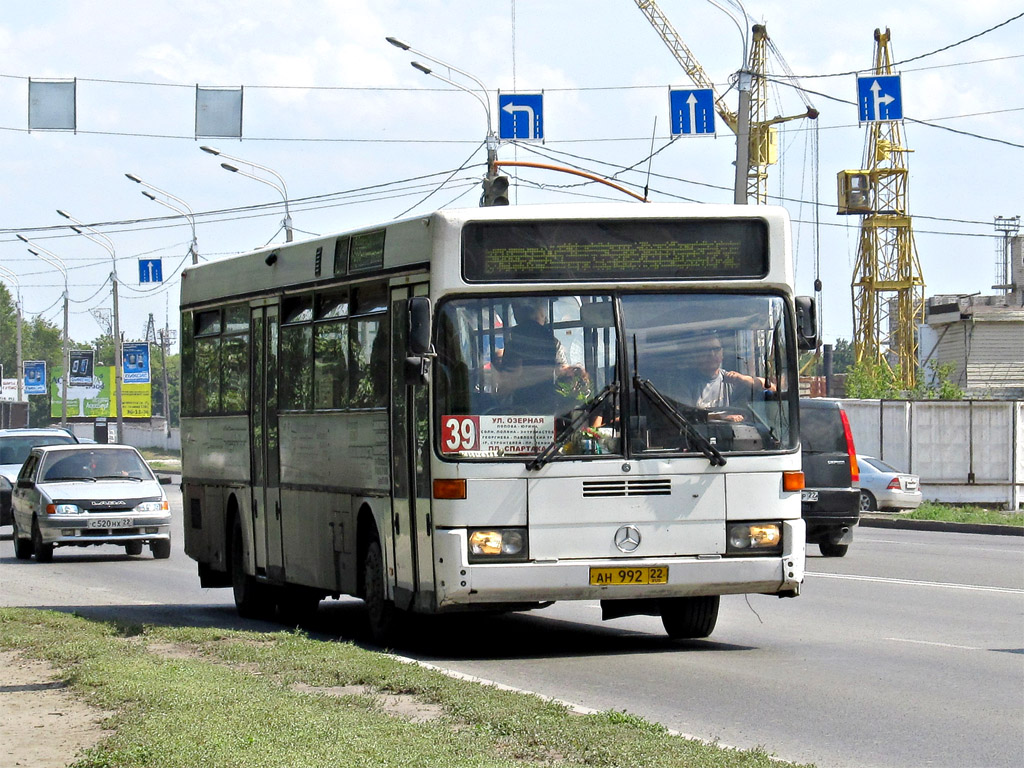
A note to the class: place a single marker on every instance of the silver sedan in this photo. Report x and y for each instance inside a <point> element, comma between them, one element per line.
<point>883,487</point>
<point>81,495</point>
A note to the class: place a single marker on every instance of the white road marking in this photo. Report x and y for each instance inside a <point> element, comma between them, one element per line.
<point>940,645</point>
<point>916,583</point>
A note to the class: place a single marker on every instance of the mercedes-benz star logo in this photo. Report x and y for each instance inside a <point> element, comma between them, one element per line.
<point>627,538</point>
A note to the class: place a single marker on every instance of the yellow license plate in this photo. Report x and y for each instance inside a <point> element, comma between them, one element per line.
<point>611,576</point>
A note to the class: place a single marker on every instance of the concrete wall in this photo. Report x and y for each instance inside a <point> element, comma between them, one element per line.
<point>154,435</point>
<point>969,451</point>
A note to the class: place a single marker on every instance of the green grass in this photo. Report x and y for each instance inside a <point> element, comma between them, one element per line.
<point>931,510</point>
<point>202,697</point>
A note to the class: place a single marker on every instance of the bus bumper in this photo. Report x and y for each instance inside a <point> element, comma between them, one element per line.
<point>492,584</point>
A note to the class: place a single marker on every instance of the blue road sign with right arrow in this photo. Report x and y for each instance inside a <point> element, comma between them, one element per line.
<point>692,112</point>
<point>879,97</point>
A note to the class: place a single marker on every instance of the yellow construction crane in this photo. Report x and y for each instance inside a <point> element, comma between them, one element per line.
<point>887,287</point>
<point>763,144</point>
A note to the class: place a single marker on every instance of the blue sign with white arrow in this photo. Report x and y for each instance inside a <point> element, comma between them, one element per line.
<point>151,271</point>
<point>692,112</point>
<point>521,116</point>
<point>879,97</point>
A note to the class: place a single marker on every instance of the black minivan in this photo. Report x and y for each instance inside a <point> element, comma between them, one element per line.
<point>831,496</point>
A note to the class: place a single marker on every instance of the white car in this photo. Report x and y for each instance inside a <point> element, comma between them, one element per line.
<point>81,495</point>
<point>14,447</point>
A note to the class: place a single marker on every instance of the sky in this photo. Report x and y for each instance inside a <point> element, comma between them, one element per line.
<point>361,138</point>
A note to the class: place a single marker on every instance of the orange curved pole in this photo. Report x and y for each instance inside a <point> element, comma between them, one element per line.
<point>573,171</point>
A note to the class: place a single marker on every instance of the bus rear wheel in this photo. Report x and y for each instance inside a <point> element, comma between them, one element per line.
<point>252,599</point>
<point>380,612</point>
<point>689,618</point>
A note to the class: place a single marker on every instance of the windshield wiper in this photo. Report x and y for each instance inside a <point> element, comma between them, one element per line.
<point>566,434</point>
<point>87,479</point>
<point>680,419</point>
<point>119,477</point>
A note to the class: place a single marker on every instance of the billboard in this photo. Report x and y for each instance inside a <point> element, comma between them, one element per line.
<point>98,399</point>
<point>35,377</point>
<point>135,362</point>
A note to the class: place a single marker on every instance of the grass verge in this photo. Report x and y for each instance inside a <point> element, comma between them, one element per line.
<point>201,697</point>
<point>930,510</point>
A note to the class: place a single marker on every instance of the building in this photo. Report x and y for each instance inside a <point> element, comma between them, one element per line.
<point>980,337</point>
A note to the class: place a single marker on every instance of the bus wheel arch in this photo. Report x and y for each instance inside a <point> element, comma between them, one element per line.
<point>253,600</point>
<point>382,616</point>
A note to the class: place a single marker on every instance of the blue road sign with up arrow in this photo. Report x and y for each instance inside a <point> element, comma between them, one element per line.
<point>692,112</point>
<point>151,271</point>
<point>879,97</point>
<point>521,116</point>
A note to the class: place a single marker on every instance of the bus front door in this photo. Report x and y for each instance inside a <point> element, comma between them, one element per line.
<point>410,470</point>
<point>265,446</point>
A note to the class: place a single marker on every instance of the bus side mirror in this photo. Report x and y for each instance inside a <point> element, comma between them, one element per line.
<point>418,349</point>
<point>419,325</point>
<point>806,322</point>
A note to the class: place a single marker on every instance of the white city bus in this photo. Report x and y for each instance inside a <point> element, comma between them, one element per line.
<point>494,409</point>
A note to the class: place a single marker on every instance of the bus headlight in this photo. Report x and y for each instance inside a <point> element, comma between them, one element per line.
<point>491,544</point>
<point>754,538</point>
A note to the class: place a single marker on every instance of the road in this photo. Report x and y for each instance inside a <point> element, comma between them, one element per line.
<point>907,652</point>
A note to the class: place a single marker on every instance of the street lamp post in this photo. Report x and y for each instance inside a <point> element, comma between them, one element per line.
<point>492,140</point>
<point>7,274</point>
<point>743,82</point>
<point>102,240</point>
<point>282,188</point>
<point>56,261</point>
<point>178,206</point>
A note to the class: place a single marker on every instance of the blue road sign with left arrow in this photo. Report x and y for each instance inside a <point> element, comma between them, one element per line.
<point>151,271</point>
<point>692,112</point>
<point>521,116</point>
<point>879,97</point>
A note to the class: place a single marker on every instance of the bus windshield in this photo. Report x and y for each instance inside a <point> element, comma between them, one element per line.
<point>625,374</point>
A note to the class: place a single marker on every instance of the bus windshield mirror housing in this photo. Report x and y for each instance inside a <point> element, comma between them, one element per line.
<point>419,350</point>
<point>806,322</point>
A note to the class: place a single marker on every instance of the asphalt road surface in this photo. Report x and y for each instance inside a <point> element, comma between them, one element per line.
<point>907,652</point>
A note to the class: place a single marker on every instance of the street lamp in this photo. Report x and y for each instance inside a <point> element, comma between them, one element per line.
<point>743,82</point>
<point>102,240</point>
<point>282,188</point>
<point>180,207</point>
<point>7,274</point>
<point>492,140</point>
<point>56,261</point>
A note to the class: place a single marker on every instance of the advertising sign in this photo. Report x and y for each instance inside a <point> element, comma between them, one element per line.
<point>81,367</point>
<point>35,377</point>
<point>135,362</point>
<point>100,400</point>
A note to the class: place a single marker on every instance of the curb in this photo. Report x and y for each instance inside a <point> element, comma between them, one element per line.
<point>890,521</point>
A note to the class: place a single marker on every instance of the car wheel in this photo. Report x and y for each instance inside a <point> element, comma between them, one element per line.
<point>43,552</point>
<point>687,618</point>
<point>381,612</point>
<point>133,548</point>
<point>252,599</point>
<point>867,501</point>
<point>161,548</point>
<point>22,547</point>
<point>828,549</point>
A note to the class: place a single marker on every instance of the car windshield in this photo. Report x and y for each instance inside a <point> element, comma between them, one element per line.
<point>95,464</point>
<point>878,464</point>
<point>623,374</point>
<point>15,449</point>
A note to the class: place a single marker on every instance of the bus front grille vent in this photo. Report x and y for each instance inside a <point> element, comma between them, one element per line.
<point>613,488</point>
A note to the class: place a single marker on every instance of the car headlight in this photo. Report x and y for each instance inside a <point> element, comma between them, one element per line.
<point>754,538</point>
<point>491,544</point>
<point>153,506</point>
<point>63,509</point>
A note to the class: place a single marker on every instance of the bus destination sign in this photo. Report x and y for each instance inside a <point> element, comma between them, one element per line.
<point>614,250</point>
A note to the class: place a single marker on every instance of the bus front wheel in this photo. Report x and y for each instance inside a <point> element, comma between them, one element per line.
<point>689,618</point>
<point>380,611</point>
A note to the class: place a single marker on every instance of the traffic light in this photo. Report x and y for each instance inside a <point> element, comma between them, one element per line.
<point>495,191</point>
